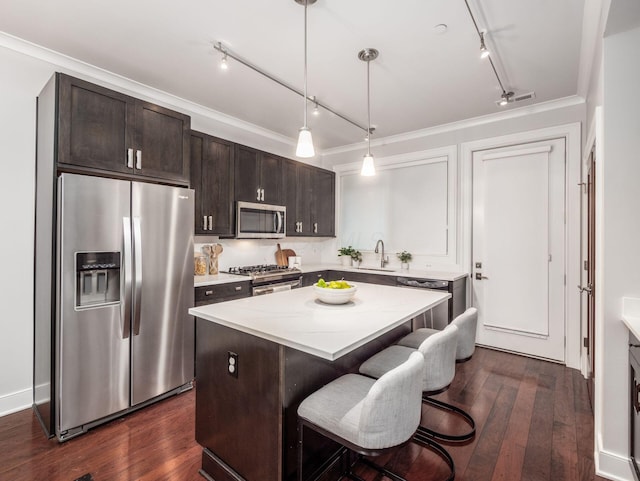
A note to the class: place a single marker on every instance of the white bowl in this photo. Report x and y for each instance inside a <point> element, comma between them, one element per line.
<point>334,296</point>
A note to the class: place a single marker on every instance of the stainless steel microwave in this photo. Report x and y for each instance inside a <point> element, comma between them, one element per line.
<point>260,221</point>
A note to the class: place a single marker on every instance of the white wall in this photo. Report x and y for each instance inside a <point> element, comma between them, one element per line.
<point>618,255</point>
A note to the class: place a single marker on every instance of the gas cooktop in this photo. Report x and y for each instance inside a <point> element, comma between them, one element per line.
<point>264,271</point>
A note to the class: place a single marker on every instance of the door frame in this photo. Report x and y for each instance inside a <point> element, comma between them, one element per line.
<point>572,135</point>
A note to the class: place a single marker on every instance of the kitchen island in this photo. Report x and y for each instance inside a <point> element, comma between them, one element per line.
<point>258,358</point>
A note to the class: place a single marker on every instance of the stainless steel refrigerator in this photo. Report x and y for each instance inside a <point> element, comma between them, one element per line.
<point>120,335</point>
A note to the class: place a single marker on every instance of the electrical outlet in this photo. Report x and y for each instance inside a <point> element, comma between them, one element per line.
<point>232,364</point>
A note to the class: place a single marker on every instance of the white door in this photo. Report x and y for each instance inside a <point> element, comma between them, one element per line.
<point>518,248</point>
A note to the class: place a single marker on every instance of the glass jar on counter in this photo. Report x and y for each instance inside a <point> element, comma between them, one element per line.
<point>200,264</point>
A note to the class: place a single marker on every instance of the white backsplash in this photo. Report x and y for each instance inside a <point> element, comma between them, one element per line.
<point>246,252</point>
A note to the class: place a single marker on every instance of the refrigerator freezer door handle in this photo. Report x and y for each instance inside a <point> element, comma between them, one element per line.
<point>137,289</point>
<point>125,305</point>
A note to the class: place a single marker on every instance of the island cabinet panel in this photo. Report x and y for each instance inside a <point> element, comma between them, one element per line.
<point>212,171</point>
<point>107,132</point>
<point>247,425</point>
<point>257,176</point>
<point>238,418</point>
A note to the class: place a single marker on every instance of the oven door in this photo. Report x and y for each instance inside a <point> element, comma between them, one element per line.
<point>277,287</point>
<point>260,221</point>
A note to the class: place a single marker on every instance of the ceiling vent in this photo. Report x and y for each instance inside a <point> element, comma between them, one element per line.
<point>519,98</point>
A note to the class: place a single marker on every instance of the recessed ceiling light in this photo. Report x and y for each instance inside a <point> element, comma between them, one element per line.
<point>440,28</point>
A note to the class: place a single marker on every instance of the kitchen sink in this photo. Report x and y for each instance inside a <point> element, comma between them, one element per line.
<point>383,269</point>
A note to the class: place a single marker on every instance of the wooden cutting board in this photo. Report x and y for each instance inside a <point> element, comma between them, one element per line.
<point>281,260</point>
<point>282,256</point>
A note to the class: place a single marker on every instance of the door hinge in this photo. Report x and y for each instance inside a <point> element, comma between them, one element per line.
<point>585,265</point>
<point>585,342</point>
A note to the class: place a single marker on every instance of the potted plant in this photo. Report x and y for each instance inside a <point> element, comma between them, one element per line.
<point>345,254</point>
<point>404,257</point>
<point>356,256</point>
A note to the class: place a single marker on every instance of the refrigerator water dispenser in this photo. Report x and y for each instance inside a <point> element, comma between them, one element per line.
<point>97,279</point>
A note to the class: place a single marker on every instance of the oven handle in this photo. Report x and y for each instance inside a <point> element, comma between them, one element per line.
<point>268,289</point>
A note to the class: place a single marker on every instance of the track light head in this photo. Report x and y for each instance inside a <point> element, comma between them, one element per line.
<point>505,98</point>
<point>484,51</point>
<point>223,63</point>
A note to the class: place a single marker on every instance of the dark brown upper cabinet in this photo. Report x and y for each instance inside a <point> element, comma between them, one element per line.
<point>212,171</point>
<point>310,199</point>
<point>107,131</point>
<point>257,176</point>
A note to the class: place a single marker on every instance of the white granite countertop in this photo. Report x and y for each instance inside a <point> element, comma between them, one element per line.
<point>631,314</point>
<point>223,277</point>
<point>296,319</point>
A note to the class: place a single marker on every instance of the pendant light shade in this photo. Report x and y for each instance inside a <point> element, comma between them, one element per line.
<point>368,166</point>
<point>305,142</point>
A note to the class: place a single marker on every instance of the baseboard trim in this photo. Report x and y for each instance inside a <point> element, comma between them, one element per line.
<point>16,401</point>
<point>612,465</point>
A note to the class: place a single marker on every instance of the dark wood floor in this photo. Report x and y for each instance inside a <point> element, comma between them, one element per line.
<point>534,423</point>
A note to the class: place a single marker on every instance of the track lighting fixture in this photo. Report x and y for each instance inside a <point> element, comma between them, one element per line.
<point>368,166</point>
<point>316,110</point>
<point>305,142</point>
<point>484,51</point>
<point>506,97</point>
<point>223,63</point>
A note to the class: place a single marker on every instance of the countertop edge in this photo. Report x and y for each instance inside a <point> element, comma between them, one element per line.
<point>225,278</point>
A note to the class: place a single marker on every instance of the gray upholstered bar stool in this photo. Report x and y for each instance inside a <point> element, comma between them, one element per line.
<point>439,351</point>
<point>365,415</point>
<point>467,323</point>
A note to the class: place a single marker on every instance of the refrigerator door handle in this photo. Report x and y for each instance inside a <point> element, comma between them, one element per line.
<point>137,289</point>
<point>125,305</point>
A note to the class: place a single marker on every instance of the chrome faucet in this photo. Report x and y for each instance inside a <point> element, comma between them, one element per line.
<point>383,261</point>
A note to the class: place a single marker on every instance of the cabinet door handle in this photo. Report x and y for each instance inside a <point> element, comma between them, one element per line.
<point>315,227</point>
<point>636,390</point>
<point>130,158</point>
<point>208,293</point>
<point>204,222</point>
<point>258,191</point>
<point>262,197</point>
<point>210,222</point>
<point>238,288</point>
<point>138,159</point>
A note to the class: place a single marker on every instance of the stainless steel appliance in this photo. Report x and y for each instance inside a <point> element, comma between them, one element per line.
<point>439,316</point>
<point>260,221</point>
<point>118,327</point>
<point>269,278</point>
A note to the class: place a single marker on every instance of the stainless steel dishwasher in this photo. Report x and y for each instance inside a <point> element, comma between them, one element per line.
<point>436,318</point>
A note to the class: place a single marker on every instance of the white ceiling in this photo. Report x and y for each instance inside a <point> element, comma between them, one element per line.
<point>421,78</point>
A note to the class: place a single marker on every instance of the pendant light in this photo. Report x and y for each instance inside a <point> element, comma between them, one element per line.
<point>368,167</point>
<point>305,142</point>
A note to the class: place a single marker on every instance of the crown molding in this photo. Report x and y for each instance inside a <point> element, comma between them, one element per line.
<point>464,124</point>
<point>92,73</point>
